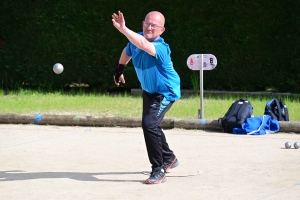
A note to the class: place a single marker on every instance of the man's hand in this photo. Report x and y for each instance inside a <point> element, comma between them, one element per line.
<point>121,80</point>
<point>118,20</point>
<point>118,75</point>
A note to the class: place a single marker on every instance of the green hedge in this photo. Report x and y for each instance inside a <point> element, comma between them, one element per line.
<point>256,42</point>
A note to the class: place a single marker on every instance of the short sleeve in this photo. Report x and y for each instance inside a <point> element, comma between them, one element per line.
<point>128,50</point>
<point>162,51</point>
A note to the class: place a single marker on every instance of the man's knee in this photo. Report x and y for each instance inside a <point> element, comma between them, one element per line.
<point>146,124</point>
<point>149,124</point>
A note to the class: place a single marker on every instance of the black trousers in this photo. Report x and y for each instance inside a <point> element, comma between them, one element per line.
<point>155,107</point>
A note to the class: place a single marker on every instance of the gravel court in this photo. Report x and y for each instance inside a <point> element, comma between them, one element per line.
<point>56,162</point>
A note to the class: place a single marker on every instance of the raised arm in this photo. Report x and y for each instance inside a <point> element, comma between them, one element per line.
<point>136,39</point>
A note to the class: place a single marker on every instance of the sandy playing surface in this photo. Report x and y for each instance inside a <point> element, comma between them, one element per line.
<point>55,162</point>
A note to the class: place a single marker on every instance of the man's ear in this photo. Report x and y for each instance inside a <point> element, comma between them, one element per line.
<point>162,30</point>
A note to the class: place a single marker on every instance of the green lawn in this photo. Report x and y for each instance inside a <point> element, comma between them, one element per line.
<point>33,102</point>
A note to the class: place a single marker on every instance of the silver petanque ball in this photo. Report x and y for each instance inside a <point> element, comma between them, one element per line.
<point>296,145</point>
<point>287,145</point>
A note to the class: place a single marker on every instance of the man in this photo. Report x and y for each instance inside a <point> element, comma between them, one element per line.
<point>160,83</point>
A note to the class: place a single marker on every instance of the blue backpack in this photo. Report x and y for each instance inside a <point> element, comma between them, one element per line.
<point>236,115</point>
<point>277,109</point>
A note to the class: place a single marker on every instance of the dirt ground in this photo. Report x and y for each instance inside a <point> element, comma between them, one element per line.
<point>55,162</point>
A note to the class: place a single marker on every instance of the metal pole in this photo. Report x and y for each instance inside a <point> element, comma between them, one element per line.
<point>201,111</point>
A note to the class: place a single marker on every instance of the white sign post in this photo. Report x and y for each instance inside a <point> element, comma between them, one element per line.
<point>201,62</point>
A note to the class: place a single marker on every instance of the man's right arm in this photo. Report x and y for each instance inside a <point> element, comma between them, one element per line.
<point>138,40</point>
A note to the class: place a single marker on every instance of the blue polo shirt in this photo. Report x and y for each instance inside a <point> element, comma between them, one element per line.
<point>156,74</point>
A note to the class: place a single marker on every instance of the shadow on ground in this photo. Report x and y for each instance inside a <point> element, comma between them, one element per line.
<point>19,175</point>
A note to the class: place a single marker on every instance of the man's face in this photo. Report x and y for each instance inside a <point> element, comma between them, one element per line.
<point>153,27</point>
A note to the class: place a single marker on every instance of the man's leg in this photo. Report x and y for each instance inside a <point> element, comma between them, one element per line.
<point>153,113</point>
<point>169,159</point>
<point>155,107</point>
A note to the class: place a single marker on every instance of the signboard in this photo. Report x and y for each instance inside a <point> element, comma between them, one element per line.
<point>208,61</point>
<point>201,62</point>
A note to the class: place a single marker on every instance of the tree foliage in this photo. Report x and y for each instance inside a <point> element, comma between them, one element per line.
<point>256,42</point>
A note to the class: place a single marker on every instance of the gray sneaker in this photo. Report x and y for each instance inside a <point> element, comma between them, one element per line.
<point>171,165</point>
<point>157,177</point>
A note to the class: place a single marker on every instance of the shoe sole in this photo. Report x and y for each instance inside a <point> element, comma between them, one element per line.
<point>174,164</point>
<point>164,179</point>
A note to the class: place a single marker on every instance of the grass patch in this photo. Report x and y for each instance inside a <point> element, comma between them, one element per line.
<point>125,105</point>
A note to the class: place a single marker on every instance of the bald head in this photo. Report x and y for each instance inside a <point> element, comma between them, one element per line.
<point>153,25</point>
<point>156,16</point>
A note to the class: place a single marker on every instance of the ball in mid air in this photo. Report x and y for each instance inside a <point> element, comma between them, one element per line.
<point>58,68</point>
